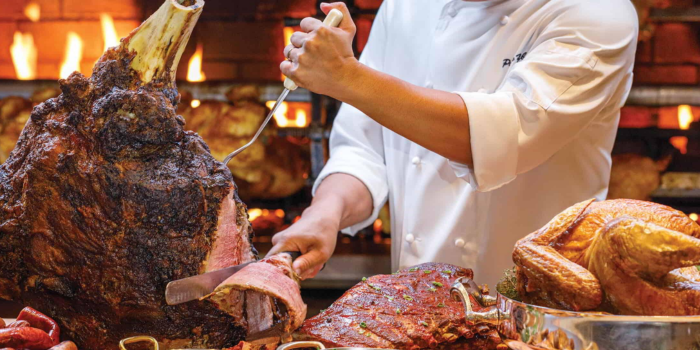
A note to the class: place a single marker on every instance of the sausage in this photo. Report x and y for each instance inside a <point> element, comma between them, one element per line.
<point>18,324</point>
<point>66,345</point>
<point>29,338</point>
<point>38,320</point>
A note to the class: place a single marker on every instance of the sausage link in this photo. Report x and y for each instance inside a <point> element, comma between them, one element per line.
<point>29,338</point>
<point>18,324</point>
<point>38,320</point>
<point>66,345</point>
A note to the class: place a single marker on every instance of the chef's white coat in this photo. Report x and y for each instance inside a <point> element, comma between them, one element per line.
<point>543,82</point>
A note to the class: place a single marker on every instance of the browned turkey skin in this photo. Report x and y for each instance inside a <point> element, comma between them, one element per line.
<point>622,256</point>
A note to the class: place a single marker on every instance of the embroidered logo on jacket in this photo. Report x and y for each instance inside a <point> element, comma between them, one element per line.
<point>519,57</point>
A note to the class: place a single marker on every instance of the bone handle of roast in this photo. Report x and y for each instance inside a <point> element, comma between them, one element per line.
<point>161,39</point>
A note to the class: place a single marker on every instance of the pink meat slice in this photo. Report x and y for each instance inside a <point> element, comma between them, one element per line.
<point>231,245</point>
<point>261,285</point>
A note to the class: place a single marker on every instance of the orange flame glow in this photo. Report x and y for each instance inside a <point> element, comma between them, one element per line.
<point>109,32</point>
<point>254,213</point>
<point>685,117</point>
<point>23,54</point>
<point>74,54</point>
<point>280,114</point>
<point>194,69</point>
<point>33,11</point>
<point>680,142</point>
<point>301,118</point>
<point>195,103</point>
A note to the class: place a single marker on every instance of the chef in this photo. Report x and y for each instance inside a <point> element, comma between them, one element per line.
<point>477,120</point>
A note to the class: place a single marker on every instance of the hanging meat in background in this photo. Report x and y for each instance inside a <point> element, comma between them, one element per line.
<point>633,176</point>
<point>273,167</point>
<point>106,198</point>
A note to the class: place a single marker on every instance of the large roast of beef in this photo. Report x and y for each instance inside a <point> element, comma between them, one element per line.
<point>106,198</point>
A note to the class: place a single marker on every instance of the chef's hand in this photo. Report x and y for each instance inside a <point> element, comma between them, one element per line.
<point>314,235</point>
<point>321,57</point>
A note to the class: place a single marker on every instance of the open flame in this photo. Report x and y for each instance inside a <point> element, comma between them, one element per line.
<point>685,117</point>
<point>195,103</point>
<point>74,54</point>
<point>24,56</point>
<point>109,32</point>
<point>194,69</point>
<point>301,118</point>
<point>33,11</point>
<point>280,114</point>
<point>254,214</point>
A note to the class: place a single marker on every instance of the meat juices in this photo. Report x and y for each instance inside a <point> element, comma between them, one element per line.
<point>106,198</point>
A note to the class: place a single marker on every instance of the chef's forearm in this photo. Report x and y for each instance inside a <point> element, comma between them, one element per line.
<point>436,120</point>
<point>341,197</point>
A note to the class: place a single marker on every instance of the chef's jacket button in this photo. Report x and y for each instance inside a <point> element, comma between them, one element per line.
<point>452,11</point>
<point>482,91</point>
<point>429,85</point>
<point>459,243</point>
<point>410,238</point>
<point>415,160</point>
<point>504,20</point>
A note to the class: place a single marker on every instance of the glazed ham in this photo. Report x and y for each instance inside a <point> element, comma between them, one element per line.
<point>106,198</point>
<point>411,309</point>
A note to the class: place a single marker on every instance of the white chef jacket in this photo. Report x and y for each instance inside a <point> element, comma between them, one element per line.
<point>543,82</point>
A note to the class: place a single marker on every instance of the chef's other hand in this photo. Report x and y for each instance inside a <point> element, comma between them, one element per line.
<point>320,57</point>
<point>314,235</point>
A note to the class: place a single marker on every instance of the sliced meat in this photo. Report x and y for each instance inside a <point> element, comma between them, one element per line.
<point>271,290</point>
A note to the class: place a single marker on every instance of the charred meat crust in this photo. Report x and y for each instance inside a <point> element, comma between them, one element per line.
<point>104,200</point>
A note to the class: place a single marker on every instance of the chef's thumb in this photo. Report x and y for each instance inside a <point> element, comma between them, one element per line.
<point>346,24</point>
<point>309,264</point>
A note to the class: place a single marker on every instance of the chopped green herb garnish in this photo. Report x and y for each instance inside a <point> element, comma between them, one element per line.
<point>441,305</point>
<point>424,323</point>
<point>361,331</point>
<point>368,334</point>
<point>413,269</point>
<point>364,279</point>
<point>390,298</point>
<point>437,284</point>
<point>407,297</point>
<point>322,310</point>
<point>398,311</point>
<point>377,288</point>
<point>698,267</point>
<point>363,325</point>
<point>432,289</point>
<point>427,272</point>
<point>447,271</point>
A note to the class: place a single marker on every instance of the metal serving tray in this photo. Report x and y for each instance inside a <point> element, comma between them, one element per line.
<point>315,345</point>
<point>524,326</point>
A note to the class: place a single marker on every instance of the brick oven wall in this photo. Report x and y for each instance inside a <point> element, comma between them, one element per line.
<point>243,39</point>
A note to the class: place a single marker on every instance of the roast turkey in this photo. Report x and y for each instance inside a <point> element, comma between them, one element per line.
<point>106,198</point>
<point>621,256</point>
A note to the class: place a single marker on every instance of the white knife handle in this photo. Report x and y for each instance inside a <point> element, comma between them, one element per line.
<point>332,20</point>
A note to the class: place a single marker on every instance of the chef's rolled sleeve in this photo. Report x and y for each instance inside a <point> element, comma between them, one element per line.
<point>356,143</point>
<point>572,71</point>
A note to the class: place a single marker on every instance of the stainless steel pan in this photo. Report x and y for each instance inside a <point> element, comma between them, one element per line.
<point>524,326</point>
<point>315,345</point>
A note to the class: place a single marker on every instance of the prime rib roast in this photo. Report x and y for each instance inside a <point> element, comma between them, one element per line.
<point>411,309</point>
<point>106,198</point>
<point>621,256</point>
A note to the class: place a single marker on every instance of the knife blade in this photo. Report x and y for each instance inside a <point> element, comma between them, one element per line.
<point>277,331</point>
<point>194,287</point>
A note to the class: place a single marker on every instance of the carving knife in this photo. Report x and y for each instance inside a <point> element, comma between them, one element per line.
<point>192,288</point>
<point>332,20</point>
